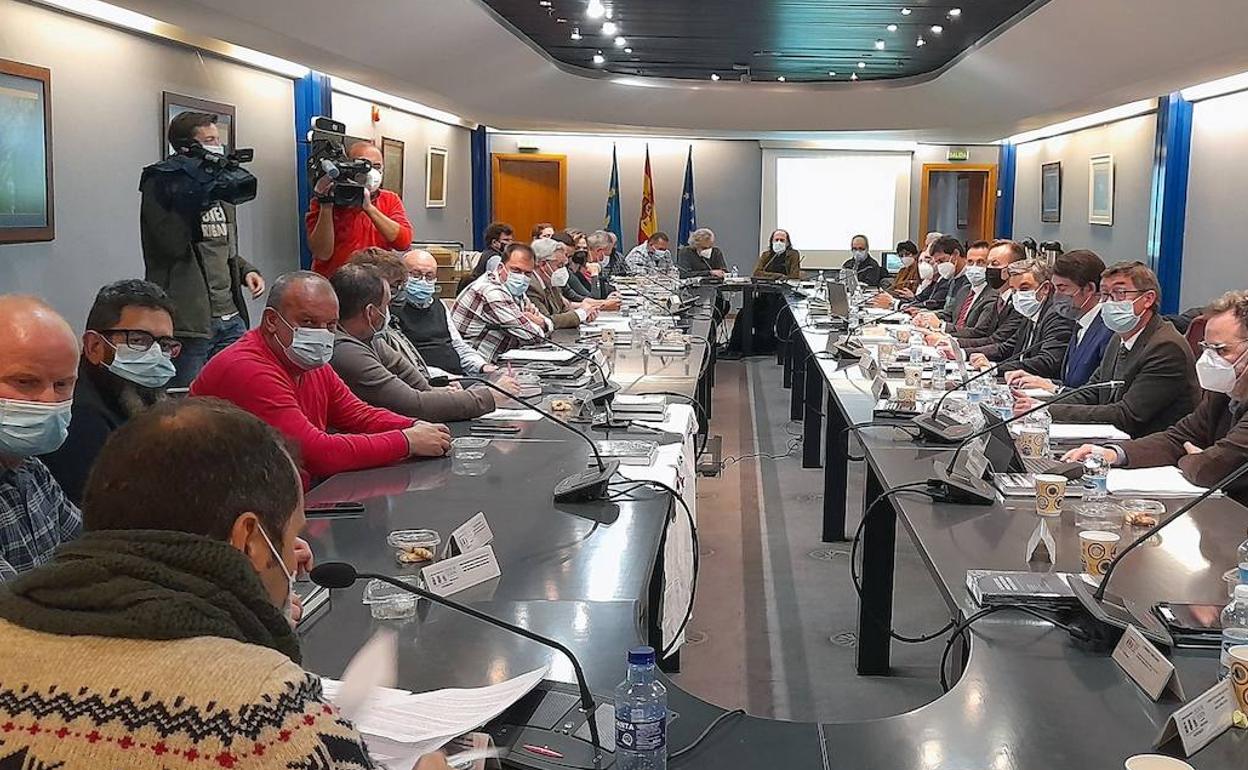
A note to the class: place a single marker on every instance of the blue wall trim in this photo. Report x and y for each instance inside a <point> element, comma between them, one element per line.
<point>1168,206</point>
<point>481,182</point>
<point>1005,186</point>
<point>313,98</point>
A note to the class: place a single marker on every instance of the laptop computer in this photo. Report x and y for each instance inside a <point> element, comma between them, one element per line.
<point>892,261</point>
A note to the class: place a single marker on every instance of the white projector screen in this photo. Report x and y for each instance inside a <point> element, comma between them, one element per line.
<point>825,197</point>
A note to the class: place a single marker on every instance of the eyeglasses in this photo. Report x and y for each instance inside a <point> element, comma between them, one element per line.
<point>1121,295</point>
<point>416,274</point>
<point>1218,347</point>
<point>140,340</point>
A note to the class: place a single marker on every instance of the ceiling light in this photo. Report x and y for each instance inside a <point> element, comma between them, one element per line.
<point>628,50</point>
<point>561,21</point>
<point>920,42</point>
<point>862,65</point>
<point>620,42</point>
<point>831,74</point>
<point>596,10</point>
<point>609,28</point>
<point>1218,87</point>
<point>576,33</point>
<point>879,45</point>
<point>610,14</point>
<point>905,11</point>
<point>891,28</point>
<point>544,3</point>
<point>937,29</point>
<point>599,58</point>
<point>714,76</point>
<point>781,78</point>
<point>853,76</point>
<point>955,13</point>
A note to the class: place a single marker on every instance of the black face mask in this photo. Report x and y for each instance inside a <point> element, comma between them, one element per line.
<point>996,277</point>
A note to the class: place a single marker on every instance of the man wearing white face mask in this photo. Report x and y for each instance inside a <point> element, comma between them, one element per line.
<point>38,368</point>
<point>1042,339</point>
<point>546,288</point>
<point>1212,440</point>
<point>701,258</point>
<point>335,233</point>
<point>971,309</point>
<point>279,372</point>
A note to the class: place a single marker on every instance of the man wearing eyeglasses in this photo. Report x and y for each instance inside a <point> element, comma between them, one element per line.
<point>1212,441</point>
<point>127,359</point>
<point>1146,353</point>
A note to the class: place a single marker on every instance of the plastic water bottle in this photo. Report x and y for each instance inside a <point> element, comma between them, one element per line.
<point>1243,563</point>
<point>641,715</point>
<point>735,274</point>
<point>1095,476</point>
<point>1234,627</point>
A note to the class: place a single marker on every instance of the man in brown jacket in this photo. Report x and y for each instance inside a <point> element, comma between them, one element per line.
<point>546,288</point>
<point>1212,441</point>
<point>377,373</point>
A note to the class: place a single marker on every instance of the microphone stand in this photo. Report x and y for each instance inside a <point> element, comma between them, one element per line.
<point>930,425</point>
<point>608,389</point>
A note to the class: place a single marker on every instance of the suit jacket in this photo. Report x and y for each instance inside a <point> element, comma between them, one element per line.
<point>1160,388</point>
<point>981,319</point>
<point>869,272</point>
<point>1007,321</point>
<point>958,286</point>
<point>691,264</point>
<point>1218,425</point>
<point>789,264</point>
<point>1049,329</point>
<point>934,296</point>
<point>1084,356</point>
<point>550,303</point>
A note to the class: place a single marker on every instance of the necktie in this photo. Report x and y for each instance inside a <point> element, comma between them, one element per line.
<point>965,310</point>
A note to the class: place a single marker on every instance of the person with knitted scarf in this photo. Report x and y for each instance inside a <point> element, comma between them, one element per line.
<point>160,638</point>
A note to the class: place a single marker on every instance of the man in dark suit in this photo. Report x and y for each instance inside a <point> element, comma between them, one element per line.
<point>1212,440</point>
<point>1077,295</point>
<point>865,267</point>
<point>1040,342</point>
<point>1148,355</point>
<point>1002,255</point>
<point>973,303</point>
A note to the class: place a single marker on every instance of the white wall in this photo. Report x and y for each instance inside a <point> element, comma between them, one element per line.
<point>1213,246</point>
<point>106,125</point>
<point>726,176</point>
<point>1131,143</point>
<point>453,223</point>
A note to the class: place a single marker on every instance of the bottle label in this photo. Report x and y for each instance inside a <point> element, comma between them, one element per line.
<point>641,736</point>
<point>1243,573</point>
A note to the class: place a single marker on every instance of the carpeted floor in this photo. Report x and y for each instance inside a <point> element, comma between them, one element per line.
<point>774,627</point>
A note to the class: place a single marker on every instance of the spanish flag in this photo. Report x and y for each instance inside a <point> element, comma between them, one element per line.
<point>648,224</point>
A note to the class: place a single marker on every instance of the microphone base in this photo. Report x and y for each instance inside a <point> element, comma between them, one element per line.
<point>938,430</point>
<point>958,490</point>
<point>533,736</point>
<point>1104,621</point>
<point>586,486</point>
<point>604,393</point>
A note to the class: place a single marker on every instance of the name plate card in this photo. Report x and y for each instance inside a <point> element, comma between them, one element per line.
<point>470,535</point>
<point>461,572</point>
<point>1146,666</point>
<point>1199,722</point>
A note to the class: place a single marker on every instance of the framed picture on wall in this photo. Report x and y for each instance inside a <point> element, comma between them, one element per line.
<point>435,178</point>
<point>172,105</point>
<point>27,210</point>
<point>392,168</point>
<point>1051,192</point>
<point>1101,190</point>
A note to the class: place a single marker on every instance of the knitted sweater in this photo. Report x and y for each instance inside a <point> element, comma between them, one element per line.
<point>88,702</point>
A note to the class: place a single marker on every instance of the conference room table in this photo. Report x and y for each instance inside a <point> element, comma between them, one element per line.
<point>586,575</point>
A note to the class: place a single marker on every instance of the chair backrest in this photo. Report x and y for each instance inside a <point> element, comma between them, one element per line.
<point>1196,333</point>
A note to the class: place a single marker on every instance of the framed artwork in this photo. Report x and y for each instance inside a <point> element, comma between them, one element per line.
<point>1051,192</point>
<point>435,178</point>
<point>1101,190</point>
<point>172,105</point>
<point>27,205</point>
<point>392,168</point>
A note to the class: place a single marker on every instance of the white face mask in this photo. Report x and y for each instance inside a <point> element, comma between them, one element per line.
<point>976,274</point>
<point>1215,373</point>
<point>945,269</point>
<point>559,278</point>
<point>779,247</point>
<point>373,183</point>
<point>907,261</point>
<point>290,577</point>
<point>309,348</point>
<point>926,270</point>
<point>704,253</point>
<point>215,149</point>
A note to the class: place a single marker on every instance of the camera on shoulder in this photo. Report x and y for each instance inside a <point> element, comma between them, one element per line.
<point>194,179</point>
<point>327,157</point>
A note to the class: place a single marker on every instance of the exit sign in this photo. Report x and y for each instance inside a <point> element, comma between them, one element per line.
<point>958,154</point>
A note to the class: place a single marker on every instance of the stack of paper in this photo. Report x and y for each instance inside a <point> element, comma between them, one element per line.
<point>512,415</point>
<point>1075,432</point>
<point>1167,481</point>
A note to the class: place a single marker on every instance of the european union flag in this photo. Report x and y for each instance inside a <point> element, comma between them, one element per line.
<point>688,213</point>
<point>612,220</point>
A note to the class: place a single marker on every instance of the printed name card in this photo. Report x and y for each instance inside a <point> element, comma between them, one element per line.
<point>1199,722</point>
<point>461,572</point>
<point>1146,666</point>
<point>470,535</point>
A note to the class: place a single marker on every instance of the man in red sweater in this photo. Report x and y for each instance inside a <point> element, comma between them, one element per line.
<point>335,233</point>
<point>279,373</point>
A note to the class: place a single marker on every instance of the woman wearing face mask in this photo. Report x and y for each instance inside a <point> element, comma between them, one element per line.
<point>862,263</point>
<point>580,279</point>
<point>701,258</point>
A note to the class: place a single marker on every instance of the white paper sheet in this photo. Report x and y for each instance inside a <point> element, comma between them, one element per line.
<point>512,415</point>
<point>1066,431</point>
<point>526,354</point>
<point>1166,481</point>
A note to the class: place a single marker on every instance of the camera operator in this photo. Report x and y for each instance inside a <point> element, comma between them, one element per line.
<point>190,247</point>
<point>336,232</point>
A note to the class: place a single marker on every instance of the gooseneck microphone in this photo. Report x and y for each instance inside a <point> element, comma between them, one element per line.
<point>933,428</point>
<point>586,486</point>
<point>606,390</point>
<point>338,574</point>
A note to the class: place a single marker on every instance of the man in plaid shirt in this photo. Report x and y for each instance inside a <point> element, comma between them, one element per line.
<point>38,368</point>
<point>493,314</point>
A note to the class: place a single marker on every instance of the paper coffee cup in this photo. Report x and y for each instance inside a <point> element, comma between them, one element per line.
<point>1033,442</point>
<point>907,394</point>
<point>1097,550</point>
<point>885,351</point>
<point>903,336</point>
<point>1050,491</point>
<point>1155,762</point>
<point>1239,675</point>
<point>914,375</point>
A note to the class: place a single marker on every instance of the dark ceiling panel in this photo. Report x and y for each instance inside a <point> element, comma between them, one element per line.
<point>801,40</point>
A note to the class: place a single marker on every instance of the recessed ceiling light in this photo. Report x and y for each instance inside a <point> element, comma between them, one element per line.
<point>544,3</point>
<point>831,74</point>
<point>891,28</point>
<point>937,29</point>
<point>853,76</point>
<point>905,11</point>
<point>561,21</point>
<point>920,42</point>
<point>620,42</point>
<point>879,45</point>
<point>714,76</point>
<point>599,58</point>
<point>610,14</point>
<point>609,28</point>
<point>955,13</point>
<point>781,78</point>
<point>576,33</point>
<point>596,9</point>
<point>862,65</point>
<point>628,50</point>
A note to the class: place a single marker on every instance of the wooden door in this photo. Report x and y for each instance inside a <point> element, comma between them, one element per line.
<point>528,189</point>
<point>981,221</point>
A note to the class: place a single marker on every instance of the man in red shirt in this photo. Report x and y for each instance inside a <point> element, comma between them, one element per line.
<point>279,373</point>
<point>335,233</point>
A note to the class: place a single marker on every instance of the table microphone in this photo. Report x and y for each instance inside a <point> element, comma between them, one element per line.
<point>958,487</point>
<point>586,486</point>
<point>932,428</point>
<point>338,574</point>
<point>604,392</point>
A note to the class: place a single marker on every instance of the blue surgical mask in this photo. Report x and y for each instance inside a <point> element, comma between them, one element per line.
<point>1026,303</point>
<point>976,274</point>
<point>517,283</point>
<point>309,348</point>
<point>419,291</point>
<point>1119,317</point>
<point>779,247</point>
<point>30,428</point>
<point>151,368</point>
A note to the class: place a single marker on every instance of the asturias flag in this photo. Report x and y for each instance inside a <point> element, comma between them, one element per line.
<point>688,213</point>
<point>612,220</point>
<point>648,224</point>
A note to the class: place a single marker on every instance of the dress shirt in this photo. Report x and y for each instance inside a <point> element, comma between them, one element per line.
<point>1085,322</point>
<point>35,517</point>
<point>486,303</point>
